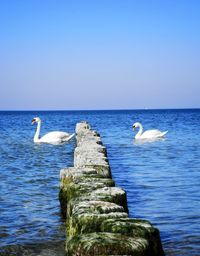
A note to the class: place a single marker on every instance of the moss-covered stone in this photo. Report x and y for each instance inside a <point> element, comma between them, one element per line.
<point>102,169</point>
<point>114,195</point>
<point>87,216</point>
<point>106,244</point>
<point>67,175</point>
<point>136,229</point>
<point>112,198</point>
<point>85,185</point>
<point>74,186</point>
<point>97,220</point>
<point>77,175</point>
<point>118,195</point>
<point>73,194</point>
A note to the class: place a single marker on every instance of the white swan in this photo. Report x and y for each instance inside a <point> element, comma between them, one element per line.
<point>149,134</point>
<point>51,137</point>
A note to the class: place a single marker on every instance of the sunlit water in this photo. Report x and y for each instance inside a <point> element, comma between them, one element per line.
<point>162,179</point>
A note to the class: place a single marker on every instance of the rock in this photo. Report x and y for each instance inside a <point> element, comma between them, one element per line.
<point>78,182</point>
<point>81,127</point>
<point>136,228</point>
<point>106,244</point>
<point>85,198</point>
<point>96,211</point>
<point>90,148</point>
<point>102,169</point>
<point>88,216</point>
<point>118,195</point>
<point>87,159</point>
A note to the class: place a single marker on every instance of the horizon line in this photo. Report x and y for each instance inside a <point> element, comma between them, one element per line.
<point>112,109</point>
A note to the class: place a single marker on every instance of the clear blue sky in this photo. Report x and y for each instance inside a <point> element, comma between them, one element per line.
<point>99,54</point>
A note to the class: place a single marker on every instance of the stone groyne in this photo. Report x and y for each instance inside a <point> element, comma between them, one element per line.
<point>96,211</point>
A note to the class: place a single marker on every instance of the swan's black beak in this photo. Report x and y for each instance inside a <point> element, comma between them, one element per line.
<point>33,121</point>
<point>133,127</point>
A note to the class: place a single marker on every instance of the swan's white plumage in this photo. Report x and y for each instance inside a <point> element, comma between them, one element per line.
<point>54,137</point>
<point>149,134</point>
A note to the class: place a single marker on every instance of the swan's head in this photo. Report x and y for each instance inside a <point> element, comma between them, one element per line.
<point>136,125</point>
<point>35,120</point>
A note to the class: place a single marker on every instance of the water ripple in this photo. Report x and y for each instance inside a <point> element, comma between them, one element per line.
<point>161,178</point>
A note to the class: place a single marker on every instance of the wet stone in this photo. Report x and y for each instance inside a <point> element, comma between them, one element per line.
<point>102,169</point>
<point>135,228</point>
<point>77,186</point>
<point>89,197</point>
<point>106,244</point>
<point>96,211</point>
<point>88,216</point>
<point>118,195</point>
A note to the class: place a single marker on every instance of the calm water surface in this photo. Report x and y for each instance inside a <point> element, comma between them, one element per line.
<point>162,179</point>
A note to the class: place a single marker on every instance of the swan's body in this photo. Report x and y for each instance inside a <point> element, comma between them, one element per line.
<point>149,134</point>
<point>51,137</point>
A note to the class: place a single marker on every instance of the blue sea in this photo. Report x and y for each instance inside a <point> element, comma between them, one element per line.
<point>162,178</point>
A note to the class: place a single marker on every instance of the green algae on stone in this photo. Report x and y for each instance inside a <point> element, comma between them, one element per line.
<point>106,244</point>
<point>118,195</point>
<point>93,180</point>
<point>112,198</point>
<point>86,185</point>
<point>136,228</point>
<point>97,222</point>
<point>67,174</point>
<point>107,194</point>
<point>76,175</point>
<point>102,169</point>
<point>76,171</point>
<point>87,216</point>
<point>73,187</point>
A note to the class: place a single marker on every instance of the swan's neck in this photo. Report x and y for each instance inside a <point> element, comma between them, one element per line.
<point>37,134</point>
<point>138,135</point>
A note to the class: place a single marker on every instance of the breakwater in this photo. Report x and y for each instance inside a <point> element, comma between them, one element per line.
<point>96,211</point>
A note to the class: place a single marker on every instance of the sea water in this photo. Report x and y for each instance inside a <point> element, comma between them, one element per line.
<point>162,178</point>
